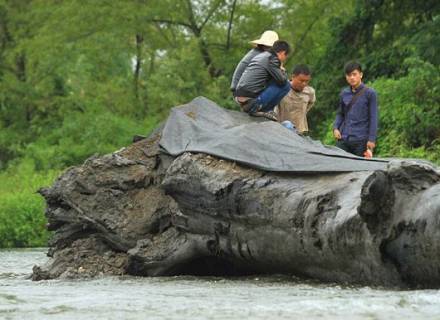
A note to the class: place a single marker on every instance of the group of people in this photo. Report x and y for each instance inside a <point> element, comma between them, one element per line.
<point>262,88</point>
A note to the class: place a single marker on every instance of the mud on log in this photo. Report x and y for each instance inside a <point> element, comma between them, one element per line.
<point>142,212</point>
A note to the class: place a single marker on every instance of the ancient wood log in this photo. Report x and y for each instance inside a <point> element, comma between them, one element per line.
<point>142,212</point>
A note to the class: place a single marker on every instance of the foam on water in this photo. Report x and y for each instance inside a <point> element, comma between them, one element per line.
<point>274,297</point>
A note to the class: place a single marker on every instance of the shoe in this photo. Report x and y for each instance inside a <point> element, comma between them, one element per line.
<point>268,115</point>
<point>247,106</point>
<point>271,115</point>
<point>138,137</point>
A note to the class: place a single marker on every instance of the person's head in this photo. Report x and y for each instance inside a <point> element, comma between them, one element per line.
<point>281,49</point>
<point>301,76</point>
<point>353,73</point>
<point>266,40</point>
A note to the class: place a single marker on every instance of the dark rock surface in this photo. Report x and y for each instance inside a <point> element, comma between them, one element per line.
<point>142,212</point>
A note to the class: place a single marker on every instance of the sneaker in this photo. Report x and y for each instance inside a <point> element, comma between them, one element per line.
<point>271,115</point>
<point>268,115</point>
<point>247,106</point>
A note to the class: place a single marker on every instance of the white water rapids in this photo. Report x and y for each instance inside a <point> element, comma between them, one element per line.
<point>258,297</point>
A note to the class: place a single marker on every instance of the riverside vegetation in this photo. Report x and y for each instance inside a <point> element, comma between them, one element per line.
<point>80,78</point>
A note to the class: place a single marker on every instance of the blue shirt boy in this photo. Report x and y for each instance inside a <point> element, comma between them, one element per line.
<point>355,127</point>
<point>360,122</point>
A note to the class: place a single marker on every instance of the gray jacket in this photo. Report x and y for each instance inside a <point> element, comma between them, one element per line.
<point>242,65</point>
<point>263,68</point>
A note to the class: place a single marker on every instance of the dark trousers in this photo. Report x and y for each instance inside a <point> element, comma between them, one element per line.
<point>355,147</point>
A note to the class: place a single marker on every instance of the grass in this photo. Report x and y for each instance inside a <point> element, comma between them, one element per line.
<point>21,207</point>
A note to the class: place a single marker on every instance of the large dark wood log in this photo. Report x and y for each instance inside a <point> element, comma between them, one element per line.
<point>142,212</point>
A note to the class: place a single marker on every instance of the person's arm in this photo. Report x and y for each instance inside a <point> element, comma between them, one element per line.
<point>373,117</point>
<point>339,119</point>
<point>312,100</point>
<point>274,69</point>
<point>237,74</point>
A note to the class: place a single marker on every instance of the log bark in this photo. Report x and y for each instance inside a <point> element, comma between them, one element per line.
<point>142,212</point>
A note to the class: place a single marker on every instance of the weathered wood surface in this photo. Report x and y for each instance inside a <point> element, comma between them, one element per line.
<point>141,212</point>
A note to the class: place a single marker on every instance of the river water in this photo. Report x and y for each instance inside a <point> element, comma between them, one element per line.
<point>274,297</point>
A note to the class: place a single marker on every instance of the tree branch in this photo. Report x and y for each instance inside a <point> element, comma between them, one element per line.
<point>211,12</point>
<point>197,31</point>
<point>138,65</point>
<point>172,22</point>
<point>164,35</point>
<point>192,19</point>
<point>231,18</point>
<point>297,47</point>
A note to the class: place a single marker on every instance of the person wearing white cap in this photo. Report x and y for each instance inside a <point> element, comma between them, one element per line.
<point>264,82</point>
<point>262,44</point>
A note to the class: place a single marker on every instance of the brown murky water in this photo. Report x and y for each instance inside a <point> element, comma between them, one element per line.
<point>275,297</point>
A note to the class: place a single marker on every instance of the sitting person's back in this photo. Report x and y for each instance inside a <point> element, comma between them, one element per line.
<point>265,42</point>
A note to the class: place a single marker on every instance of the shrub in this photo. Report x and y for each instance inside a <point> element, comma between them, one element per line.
<point>21,208</point>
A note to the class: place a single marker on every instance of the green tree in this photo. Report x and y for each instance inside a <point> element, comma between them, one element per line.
<point>81,77</point>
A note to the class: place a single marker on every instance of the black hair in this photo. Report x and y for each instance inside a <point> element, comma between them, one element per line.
<point>351,66</point>
<point>262,47</point>
<point>301,69</point>
<point>281,45</point>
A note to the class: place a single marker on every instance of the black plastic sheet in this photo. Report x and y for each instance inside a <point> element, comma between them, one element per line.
<point>202,126</point>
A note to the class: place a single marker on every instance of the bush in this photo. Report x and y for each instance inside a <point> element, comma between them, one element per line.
<point>82,135</point>
<point>21,208</point>
<point>410,113</point>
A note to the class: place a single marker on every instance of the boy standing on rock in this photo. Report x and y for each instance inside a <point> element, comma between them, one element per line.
<point>355,127</point>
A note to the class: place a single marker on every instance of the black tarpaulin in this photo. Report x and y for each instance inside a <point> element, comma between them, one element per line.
<point>203,126</point>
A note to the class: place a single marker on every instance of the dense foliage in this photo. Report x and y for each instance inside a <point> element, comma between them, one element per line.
<point>81,77</point>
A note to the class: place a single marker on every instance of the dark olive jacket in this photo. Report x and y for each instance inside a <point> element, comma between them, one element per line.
<point>242,65</point>
<point>263,69</point>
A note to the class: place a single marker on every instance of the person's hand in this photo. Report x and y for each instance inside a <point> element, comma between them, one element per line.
<point>371,145</point>
<point>337,134</point>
